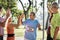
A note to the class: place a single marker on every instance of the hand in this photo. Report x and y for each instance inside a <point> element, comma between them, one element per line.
<point>22,15</point>
<point>49,9</point>
<point>39,28</point>
<point>8,12</point>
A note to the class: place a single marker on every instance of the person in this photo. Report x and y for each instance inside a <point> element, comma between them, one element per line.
<point>48,24</point>
<point>10,26</point>
<point>2,23</point>
<point>30,26</point>
<point>55,23</point>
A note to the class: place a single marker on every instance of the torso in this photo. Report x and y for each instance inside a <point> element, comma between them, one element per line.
<point>31,24</point>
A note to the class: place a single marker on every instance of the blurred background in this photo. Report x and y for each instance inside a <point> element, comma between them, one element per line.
<point>26,6</point>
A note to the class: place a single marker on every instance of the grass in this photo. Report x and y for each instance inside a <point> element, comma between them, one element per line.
<point>20,33</point>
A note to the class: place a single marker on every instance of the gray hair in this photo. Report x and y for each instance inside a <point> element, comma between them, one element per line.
<point>54,4</point>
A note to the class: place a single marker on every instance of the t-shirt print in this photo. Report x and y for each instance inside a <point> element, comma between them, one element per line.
<point>29,28</point>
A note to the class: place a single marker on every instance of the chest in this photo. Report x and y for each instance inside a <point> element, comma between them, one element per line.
<point>32,24</point>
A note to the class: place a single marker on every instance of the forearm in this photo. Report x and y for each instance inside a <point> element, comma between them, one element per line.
<point>39,27</point>
<point>5,19</point>
<point>19,21</point>
<point>13,25</point>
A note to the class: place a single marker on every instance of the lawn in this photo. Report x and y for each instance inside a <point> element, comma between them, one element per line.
<point>20,33</point>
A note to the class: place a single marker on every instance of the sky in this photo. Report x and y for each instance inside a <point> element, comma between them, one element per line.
<point>26,1</point>
<point>39,12</point>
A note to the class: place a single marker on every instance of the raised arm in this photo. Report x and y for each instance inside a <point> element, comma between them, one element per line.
<point>20,18</point>
<point>13,25</point>
<point>4,19</point>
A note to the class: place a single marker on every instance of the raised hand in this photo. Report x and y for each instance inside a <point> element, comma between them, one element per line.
<point>49,9</point>
<point>8,12</point>
<point>22,16</point>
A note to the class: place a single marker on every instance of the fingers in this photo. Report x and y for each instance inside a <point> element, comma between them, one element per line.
<point>22,15</point>
<point>49,9</point>
<point>8,12</point>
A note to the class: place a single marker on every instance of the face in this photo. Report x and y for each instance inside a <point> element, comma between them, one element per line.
<point>32,16</point>
<point>54,9</point>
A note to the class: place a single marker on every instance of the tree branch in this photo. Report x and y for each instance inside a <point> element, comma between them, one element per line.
<point>25,11</point>
<point>29,5</point>
<point>22,4</point>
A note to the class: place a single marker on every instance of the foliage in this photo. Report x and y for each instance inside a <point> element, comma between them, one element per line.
<point>51,1</point>
<point>12,4</point>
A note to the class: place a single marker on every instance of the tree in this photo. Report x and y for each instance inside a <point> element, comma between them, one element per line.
<point>6,3</point>
<point>12,4</point>
<point>51,1</point>
<point>26,11</point>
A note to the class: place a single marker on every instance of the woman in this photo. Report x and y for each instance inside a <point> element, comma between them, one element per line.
<point>10,27</point>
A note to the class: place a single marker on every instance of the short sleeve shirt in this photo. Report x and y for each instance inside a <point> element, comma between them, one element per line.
<point>30,24</point>
<point>55,22</point>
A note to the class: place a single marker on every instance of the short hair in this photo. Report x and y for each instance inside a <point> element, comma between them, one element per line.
<point>0,7</point>
<point>54,4</point>
<point>33,13</point>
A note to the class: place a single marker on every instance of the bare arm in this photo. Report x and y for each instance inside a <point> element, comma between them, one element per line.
<point>14,25</point>
<point>20,18</point>
<point>39,28</point>
<point>7,15</point>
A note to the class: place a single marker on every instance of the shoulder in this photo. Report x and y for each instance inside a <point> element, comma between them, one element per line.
<point>28,20</point>
<point>36,20</point>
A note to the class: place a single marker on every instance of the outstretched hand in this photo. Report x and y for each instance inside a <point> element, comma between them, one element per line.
<point>8,12</point>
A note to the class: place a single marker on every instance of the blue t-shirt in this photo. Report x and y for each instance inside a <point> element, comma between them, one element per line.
<point>30,24</point>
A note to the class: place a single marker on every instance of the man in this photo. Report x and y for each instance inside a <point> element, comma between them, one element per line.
<point>2,23</point>
<point>31,27</point>
<point>10,26</point>
<point>55,21</point>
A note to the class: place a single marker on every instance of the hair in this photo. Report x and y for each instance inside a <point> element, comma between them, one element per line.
<point>33,13</point>
<point>54,4</point>
<point>0,7</point>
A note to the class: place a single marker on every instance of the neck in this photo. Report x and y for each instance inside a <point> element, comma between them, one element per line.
<point>32,19</point>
